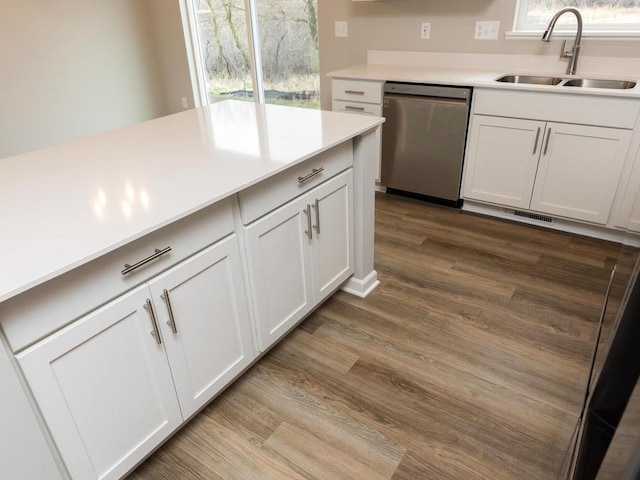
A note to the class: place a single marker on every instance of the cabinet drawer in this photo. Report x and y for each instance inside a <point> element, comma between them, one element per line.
<point>40,311</point>
<point>269,194</point>
<point>579,109</point>
<point>356,90</point>
<point>356,107</point>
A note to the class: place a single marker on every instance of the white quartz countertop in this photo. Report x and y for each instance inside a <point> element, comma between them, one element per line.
<point>63,206</point>
<point>480,77</point>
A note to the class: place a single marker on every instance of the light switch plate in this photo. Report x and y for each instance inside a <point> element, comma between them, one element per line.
<point>487,30</point>
<point>342,29</point>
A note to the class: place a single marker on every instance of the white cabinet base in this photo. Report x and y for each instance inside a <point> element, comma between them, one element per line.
<point>362,287</point>
<point>560,224</point>
<point>83,378</point>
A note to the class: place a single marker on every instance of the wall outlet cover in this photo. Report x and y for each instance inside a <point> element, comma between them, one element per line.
<point>425,31</point>
<point>342,29</point>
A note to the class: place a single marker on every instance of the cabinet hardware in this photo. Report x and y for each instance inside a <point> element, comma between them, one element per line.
<point>157,253</point>
<point>155,332</point>
<point>309,231</point>
<point>351,107</point>
<point>546,144</point>
<point>535,144</point>
<point>354,92</point>
<point>172,320</point>
<point>316,207</point>
<point>314,172</point>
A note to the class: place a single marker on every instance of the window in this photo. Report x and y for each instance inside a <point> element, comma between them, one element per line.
<point>256,50</point>
<point>599,16</point>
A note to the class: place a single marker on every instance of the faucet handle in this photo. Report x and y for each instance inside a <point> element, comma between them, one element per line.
<point>565,53</point>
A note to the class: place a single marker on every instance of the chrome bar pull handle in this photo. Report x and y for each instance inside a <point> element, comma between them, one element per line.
<point>535,144</point>
<point>157,253</point>
<point>316,207</point>
<point>309,231</point>
<point>351,107</point>
<point>546,144</point>
<point>314,172</point>
<point>172,320</point>
<point>155,332</point>
<point>354,92</point>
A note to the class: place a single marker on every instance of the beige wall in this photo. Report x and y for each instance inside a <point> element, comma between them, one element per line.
<point>171,53</point>
<point>72,68</point>
<point>395,25</point>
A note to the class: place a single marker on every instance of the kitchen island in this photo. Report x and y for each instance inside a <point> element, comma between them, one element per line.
<point>146,268</point>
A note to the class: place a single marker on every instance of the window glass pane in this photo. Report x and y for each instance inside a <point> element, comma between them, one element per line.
<point>596,14</point>
<point>288,32</point>
<point>222,34</point>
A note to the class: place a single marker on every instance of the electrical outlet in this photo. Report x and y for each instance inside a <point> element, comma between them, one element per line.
<point>487,30</point>
<point>184,102</point>
<point>425,31</point>
<point>342,29</point>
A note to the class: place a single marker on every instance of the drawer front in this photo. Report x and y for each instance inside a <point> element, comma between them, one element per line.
<point>40,311</point>
<point>355,107</point>
<point>269,194</point>
<point>567,108</point>
<point>356,91</point>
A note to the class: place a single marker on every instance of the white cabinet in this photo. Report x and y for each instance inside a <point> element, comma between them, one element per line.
<point>579,170</point>
<point>559,168</point>
<point>362,97</point>
<point>202,314</point>
<point>299,254</point>
<point>24,452</point>
<point>502,160</point>
<point>104,387</point>
<point>107,383</point>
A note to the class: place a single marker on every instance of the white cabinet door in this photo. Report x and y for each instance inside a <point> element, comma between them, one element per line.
<point>201,308</point>
<point>104,387</point>
<point>299,254</point>
<point>280,269</point>
<point>502,159</point>
<point>332,245</point>
<point>579,171</point>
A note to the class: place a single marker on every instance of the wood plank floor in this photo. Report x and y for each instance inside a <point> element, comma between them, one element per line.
<point>468,362</point>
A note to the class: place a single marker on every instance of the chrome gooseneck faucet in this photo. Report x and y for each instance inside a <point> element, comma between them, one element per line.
<point>572,55</point>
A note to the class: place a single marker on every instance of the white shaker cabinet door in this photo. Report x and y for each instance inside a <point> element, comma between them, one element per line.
<point>579,171</point>
<point>280,269</point>
<point>332,246</point>
<point>104,387</point>
<point>202,311</point>
<point>502,159</point>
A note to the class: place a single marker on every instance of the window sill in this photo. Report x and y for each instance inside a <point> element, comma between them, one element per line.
<point>537,35</point>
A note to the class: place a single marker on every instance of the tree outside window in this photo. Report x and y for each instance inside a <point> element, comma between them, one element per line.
<point>287,33</point>
<point>598,15</point>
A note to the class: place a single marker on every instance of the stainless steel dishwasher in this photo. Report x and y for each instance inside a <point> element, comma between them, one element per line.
<point>423,140</point>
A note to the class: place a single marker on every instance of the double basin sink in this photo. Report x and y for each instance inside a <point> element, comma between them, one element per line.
<point>567,82</point>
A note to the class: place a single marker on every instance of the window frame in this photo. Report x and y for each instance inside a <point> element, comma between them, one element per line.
<point>194,54</point>
<point>521,30</point>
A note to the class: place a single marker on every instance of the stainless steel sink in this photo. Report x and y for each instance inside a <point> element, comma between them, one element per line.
<point>596,83</point>
<point>529,79</point>
<point>567,82</point>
